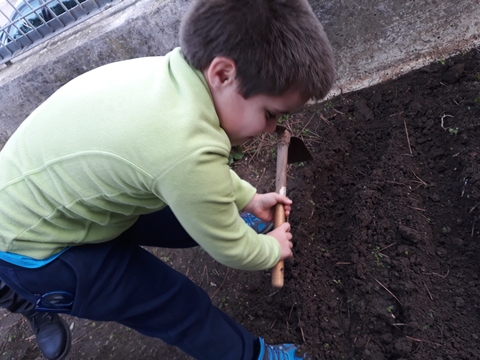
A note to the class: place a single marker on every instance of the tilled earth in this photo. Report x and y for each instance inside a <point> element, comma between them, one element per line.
<point>386,225</point>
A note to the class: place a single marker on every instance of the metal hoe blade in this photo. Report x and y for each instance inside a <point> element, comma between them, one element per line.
<point>297,150</point>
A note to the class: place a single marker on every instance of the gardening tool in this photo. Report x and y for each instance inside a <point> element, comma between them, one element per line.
<point>290,149</point>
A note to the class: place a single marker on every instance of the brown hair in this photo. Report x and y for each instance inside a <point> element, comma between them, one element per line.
<point>276,44</point>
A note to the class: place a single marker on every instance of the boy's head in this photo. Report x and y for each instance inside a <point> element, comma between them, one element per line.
<point>276,45</point>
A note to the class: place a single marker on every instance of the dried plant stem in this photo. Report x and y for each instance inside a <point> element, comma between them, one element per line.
<point>408,138</point>
<point>388,291</point>
<point>429,293</point>
<point>261,177</point>
<point>420,180</point>
<point>258,148</point>
<point>291,310</point>
<point>325,119</point>
<point>423,341</point>
<point>388,246</point>
<point>415,208</point>
<point>442,276</point>
<point>303,335</point>
<point>442,119</point>
<point>221,285</point>
<point>87,333</point>
<point>308,122</point>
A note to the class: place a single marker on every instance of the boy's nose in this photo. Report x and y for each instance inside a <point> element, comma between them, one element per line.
<point>271,125</point>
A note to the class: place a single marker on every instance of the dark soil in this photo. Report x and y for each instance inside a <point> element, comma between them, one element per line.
<point>386,225</point>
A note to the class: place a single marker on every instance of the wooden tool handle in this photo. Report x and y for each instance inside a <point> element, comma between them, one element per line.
<point>277,274</point>
<point>277,271</point>
<point>283,141</point>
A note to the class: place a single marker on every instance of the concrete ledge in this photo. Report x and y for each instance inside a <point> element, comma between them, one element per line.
<point>374,40</point>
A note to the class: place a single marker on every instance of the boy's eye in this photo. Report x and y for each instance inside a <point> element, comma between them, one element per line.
<point>270,115</point>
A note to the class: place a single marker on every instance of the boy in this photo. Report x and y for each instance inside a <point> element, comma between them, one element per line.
<point>136,153</point>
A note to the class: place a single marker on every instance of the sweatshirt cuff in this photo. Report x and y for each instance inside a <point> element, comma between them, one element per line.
<point>244,191</point>
<point>276,254</point>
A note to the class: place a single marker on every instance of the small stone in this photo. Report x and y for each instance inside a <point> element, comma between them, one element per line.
<point>454,73</point>
<point>459,302</point>
<point>387,338</point>
<point>409,233</point>
<point>403,346</point>
<point>377,356</point>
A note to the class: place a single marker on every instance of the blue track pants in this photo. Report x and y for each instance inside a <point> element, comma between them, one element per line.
<point>122,282</point>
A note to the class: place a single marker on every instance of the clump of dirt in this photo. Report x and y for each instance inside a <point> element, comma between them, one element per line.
<point>386,232</point>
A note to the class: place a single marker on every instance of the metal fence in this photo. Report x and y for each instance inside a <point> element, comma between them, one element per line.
<point>27,23</point>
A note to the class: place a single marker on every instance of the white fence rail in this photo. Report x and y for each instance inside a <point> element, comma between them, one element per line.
<point>27,23</point>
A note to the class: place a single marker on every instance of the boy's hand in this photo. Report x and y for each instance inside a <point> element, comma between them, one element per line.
<point>263,205</point>
<point>284,237</point>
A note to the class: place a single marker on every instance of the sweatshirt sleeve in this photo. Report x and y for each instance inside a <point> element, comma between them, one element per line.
<point>242,189</point>
<point>205,196</point>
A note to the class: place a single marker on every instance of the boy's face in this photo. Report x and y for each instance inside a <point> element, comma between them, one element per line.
<point>242,119</point>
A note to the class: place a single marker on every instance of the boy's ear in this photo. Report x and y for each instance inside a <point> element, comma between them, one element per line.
<point>221,73</point>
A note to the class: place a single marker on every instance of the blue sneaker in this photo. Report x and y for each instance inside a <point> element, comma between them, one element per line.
<point>278,352</point>
<point>260,226</point>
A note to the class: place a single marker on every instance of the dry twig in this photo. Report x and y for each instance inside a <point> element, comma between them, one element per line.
<point>203,274</point>
<point>388,291</point>
<point>87,333</point>
<point>429,293</point>
<point>221,285</point>
<point>261,177</point>
<point>258,148</point>
<point>420,180</point>
<point>386,247</point>
<point>399,113</point>
<point>423,341</point>
<point>325,119</point>
<point>308,122</point>
<point>408,138</point>
<point>442,276</point>
<point>442,121</point>
<point>291,310</point>
<point>415,208</point>
<point>273,293</point>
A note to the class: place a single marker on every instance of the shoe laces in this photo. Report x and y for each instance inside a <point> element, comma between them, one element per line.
<point>260,226</point>
<point>39,319</point>
<point>280,352</point>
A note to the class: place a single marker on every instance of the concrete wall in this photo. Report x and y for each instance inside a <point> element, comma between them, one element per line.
<point>374,40</point>
<point>377,40</point>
